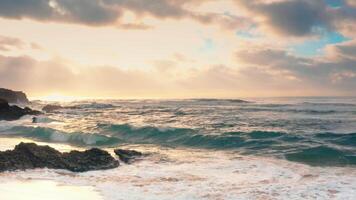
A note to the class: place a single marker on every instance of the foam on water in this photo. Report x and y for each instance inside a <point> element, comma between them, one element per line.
<point>200,174</point>
<point>324,149</point>
<point>204,149</point>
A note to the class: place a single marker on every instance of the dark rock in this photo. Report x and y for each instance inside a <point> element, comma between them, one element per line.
<point>51,108</point>
<point>4,104</point>
<point>31,156</point>
<point>93,159</point>
<point>54,108</point>
<point>8,112</point>
<point>127,156</point>
<point>13,96</point>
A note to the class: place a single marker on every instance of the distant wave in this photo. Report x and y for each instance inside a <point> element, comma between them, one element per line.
<point>323,147</point>
<point>91,105</point>
<point>94,105</point>
<point>329,104</point>
<point>289,110</point>
<point>222,100</point>
<point>324,156</point>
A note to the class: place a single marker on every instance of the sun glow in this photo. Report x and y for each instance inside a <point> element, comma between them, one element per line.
<point>59,97</point>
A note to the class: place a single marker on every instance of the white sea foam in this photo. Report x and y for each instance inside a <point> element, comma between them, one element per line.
<point>193,174</point>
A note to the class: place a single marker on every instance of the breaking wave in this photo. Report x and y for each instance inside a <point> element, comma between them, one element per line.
<point>53,135</point>
<point>331,149</point>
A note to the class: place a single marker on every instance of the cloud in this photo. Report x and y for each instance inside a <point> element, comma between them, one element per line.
<point>37,9</point>
<point>258,72</point>
<point>225,20</point>
<point>7,43</point>
<point>288,17</point>
<point>84,11</point>
<point>335,70</point>
<point>301,18</point>
<point>44,77</point>
<point>111,12</point>
<point>77,11</point>
<point>343,51</point>
<point>25,72</point>
<point>344,19</point>
<point>158,8</point>
<point>294,18</point>
<point>351,2</point>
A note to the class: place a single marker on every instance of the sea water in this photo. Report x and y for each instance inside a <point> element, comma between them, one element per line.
<point>274,148</point>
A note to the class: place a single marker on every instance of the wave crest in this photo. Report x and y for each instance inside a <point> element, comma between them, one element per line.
<point>52,135</point>
<point>321,149</point>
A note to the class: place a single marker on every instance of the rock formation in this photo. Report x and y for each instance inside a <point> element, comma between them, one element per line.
<point>127,156</point>
<point>8,112</point>
<point>51,108</point>
<point>13,96</point>
<point>31,156</point>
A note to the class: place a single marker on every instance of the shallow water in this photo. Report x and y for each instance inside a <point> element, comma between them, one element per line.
<point>315,131</point>
<point>285,148</point>
<point>198,174</point>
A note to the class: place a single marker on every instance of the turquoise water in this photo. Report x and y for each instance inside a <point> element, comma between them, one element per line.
<point>315,131</point>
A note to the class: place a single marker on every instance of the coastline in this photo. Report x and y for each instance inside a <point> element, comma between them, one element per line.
<point>41,188</point>
<point>186,174</point>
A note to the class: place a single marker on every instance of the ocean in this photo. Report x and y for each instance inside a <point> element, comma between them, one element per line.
<point>274,148</point>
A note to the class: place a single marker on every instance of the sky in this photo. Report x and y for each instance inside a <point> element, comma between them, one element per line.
<point>178,48</point>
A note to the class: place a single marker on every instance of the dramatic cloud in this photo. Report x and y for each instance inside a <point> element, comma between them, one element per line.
<point>344,19</point>
<point>158,8</point>
<point>81,11</point>
<point>297,18</point>
<point>111,12</point>
<point>255,48</point>
<point>286,17</point>
<point>300,18</point>
<point>331,71</point>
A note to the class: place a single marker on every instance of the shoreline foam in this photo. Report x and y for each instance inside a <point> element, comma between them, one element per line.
<point>201,174</point>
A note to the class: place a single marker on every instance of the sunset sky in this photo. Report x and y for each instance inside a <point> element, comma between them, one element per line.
<point>178,48</point>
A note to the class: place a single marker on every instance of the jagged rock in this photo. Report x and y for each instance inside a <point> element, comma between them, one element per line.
<point>13,96</point>
<point>93,159</point>
<point>4,104</point>
<point>51,108</point>
<point>54,108</point>
<point>8,112</point>
<point>127,156</point>
<point>31,156</point>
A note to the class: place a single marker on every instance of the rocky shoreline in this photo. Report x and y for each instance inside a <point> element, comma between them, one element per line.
<point>31,156</point>
<point>11,96</point>
<point>9,113</point>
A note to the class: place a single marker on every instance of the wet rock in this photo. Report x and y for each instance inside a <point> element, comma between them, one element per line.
<point>13,96</point>
<point>8,112</point>
<point>93,159</point>
<point>127,156</point>
<point>51,108</point>
<point>31,156</point>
